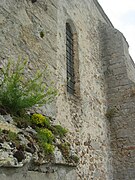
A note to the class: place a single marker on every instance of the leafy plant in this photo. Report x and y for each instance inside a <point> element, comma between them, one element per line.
<point>47,148</point>
<point>45,136</point>
<point>45,139</point>
<point>59,130</point>
<point>12,136</point>
<point>19,92</point>
<point>40,120</point>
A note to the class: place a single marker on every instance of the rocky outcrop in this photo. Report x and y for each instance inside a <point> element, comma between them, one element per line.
<point>20,146</point>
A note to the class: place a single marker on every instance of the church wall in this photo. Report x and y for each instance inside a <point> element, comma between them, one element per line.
<point>119,71</point>
<point>84,115</point>
<point>21,23</point>
<point>105,73</point>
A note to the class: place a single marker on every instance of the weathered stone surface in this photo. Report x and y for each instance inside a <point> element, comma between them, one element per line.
<point>58,156</point>
<point>21,148</point>
<point>42,173</point>
<point>106,81</point>
<point>6,123</point>
<point>120,88</point>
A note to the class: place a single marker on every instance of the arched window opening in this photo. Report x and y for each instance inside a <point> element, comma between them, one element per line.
<point>70,60</point>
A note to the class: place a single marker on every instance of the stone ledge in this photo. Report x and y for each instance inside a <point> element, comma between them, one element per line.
<point>26,150</point>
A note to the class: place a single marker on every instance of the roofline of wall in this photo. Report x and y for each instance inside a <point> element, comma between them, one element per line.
<point>102,12</point>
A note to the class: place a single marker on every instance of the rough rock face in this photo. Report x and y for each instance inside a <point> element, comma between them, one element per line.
<point>45,172</point>
<point>24,153</point>
<point>120,76</point>
<point>105,81</point>
<point>19,147</point>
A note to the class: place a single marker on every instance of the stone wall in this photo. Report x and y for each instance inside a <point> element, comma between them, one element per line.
<point>105,75</point>
<point>44,172</point>
<point>21,23</point>
<point>119,71</point>
<point>84,115</point>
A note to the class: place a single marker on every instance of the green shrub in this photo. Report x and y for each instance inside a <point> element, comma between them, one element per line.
<point>59,130</point>
<point>45,139</point>
<point>45,136</point>
<point>40,120</point>
<point>12,136</point>
<point>47,148</point>
<point>19,92</point>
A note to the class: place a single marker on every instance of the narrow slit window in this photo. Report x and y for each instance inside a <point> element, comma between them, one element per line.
<point>70,60</point>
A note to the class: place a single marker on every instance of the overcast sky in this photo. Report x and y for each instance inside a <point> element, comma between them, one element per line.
<point>122,15</point>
